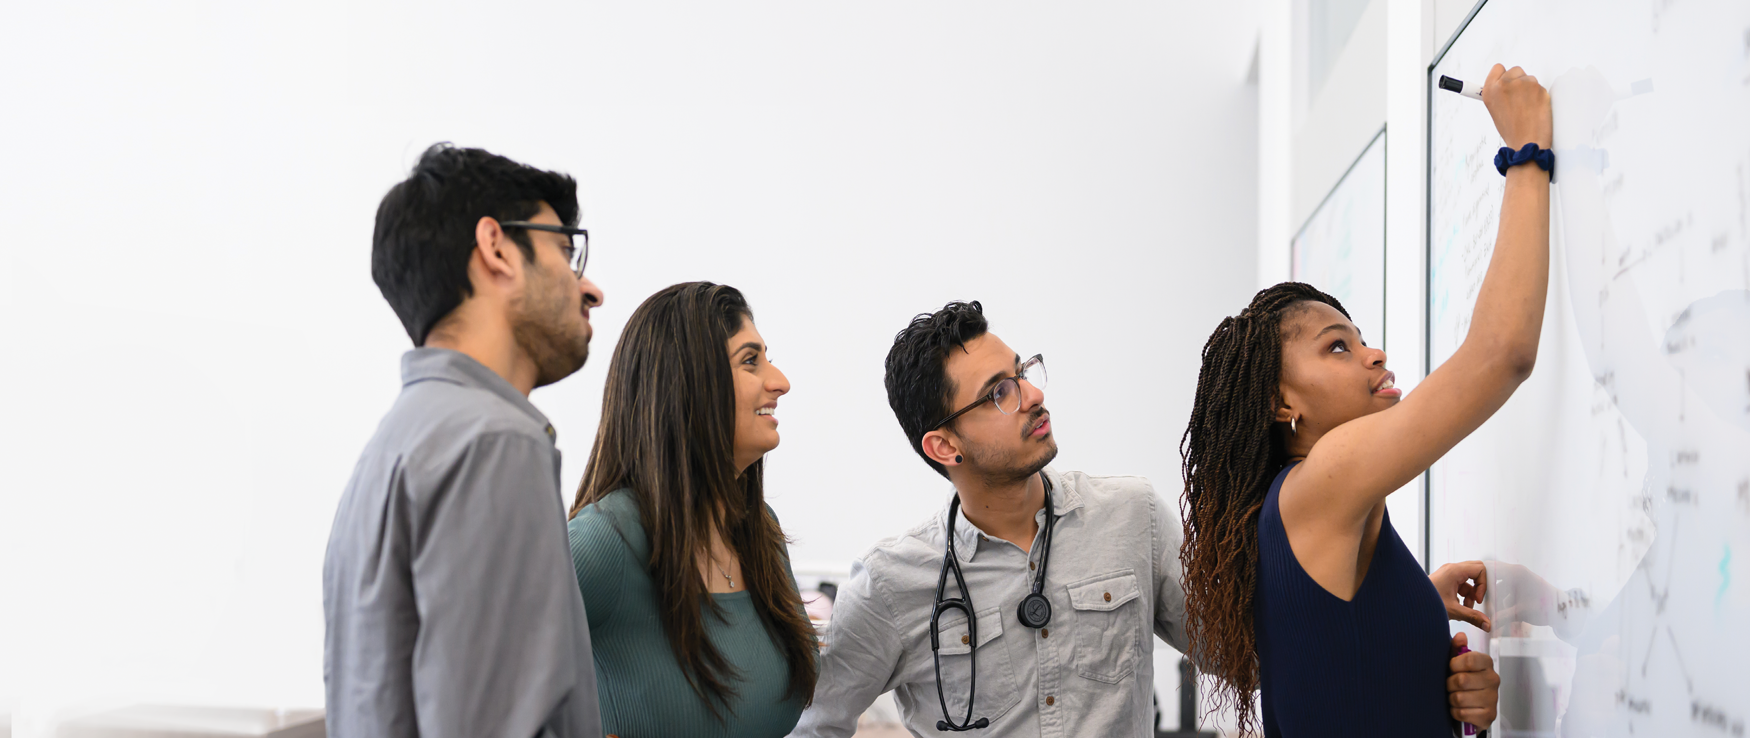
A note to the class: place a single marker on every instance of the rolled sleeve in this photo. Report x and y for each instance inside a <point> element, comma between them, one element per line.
<point>491,579</point>
<point>857,662</point>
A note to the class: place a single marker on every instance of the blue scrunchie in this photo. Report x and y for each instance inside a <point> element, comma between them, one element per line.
<point>1507,158</point>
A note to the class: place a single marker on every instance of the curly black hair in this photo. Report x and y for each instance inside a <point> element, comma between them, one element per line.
<point>918,387</point>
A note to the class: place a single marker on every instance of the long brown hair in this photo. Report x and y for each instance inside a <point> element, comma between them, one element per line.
<point>1232,454</point>
<point>668,434</point>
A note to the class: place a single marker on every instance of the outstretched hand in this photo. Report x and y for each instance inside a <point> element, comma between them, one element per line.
<point>1461,587</point>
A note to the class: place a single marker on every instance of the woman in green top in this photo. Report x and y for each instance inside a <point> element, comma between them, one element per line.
<point>694,616</point>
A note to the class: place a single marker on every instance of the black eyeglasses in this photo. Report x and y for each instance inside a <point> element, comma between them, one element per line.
<point>1006,395</point>
<point>577,254</point>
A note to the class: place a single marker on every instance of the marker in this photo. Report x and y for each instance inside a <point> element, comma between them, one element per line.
<point>1470,91</point>
<point>1468,728</point>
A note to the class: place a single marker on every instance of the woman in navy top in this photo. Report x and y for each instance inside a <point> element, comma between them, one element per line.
<point>1297,435</point>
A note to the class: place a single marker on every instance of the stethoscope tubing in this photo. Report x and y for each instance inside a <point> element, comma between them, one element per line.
<point>963,603</point>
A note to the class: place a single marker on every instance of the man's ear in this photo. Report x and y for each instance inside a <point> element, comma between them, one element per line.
<point>941,447</point>
<point>493,248</point>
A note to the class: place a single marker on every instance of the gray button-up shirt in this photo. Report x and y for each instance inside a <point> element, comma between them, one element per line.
<point>451,604</point>
<point>1113,577</point>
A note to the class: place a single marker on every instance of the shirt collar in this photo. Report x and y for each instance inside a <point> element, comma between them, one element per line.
<point>1065,498</point>
<point>446,365</point>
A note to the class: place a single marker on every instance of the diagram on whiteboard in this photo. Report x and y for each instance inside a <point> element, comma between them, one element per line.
<point>1613,491</point>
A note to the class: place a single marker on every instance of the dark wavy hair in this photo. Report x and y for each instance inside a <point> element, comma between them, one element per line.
<point>425,227</point>
<point>1232,452</point>
<point>668,434</point>
<point>918,386</point>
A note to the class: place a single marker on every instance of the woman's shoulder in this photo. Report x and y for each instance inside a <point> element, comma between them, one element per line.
<point>611,521</point>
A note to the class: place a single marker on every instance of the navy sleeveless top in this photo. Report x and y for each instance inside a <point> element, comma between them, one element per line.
<point>1372,666</point>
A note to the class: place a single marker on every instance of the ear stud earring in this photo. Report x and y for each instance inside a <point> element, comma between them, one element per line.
<point>956,458</point>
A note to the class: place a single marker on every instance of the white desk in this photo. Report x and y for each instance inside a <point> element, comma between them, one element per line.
<point>168,721</point>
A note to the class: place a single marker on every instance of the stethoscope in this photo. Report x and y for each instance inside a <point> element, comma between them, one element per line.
<point>1034,612</point>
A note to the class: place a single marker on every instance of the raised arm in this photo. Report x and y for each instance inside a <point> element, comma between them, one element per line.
<point>1358,463</point>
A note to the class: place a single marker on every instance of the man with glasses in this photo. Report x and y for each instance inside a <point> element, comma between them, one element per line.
<point>451,604</point>
<point>1024,607</point>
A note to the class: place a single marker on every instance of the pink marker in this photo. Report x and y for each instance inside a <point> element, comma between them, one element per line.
<point>1468,728</point>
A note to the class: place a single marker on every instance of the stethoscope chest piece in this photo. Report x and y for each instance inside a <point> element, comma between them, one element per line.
<point>1035,610</point>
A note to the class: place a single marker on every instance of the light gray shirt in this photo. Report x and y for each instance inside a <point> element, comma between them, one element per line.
<point>1113,577</point>
<point>451,604</point>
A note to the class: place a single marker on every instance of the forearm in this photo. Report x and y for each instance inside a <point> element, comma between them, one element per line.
<point>857,660</point>
<point>1508,317</point>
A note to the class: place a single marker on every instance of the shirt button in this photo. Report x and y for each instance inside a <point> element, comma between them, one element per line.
<point>1049,700</point>
<point>981,537</point>
<point>966,639</point>
<point>1108,596</point>
<point>1044,632</point>
<point>1030,566</point>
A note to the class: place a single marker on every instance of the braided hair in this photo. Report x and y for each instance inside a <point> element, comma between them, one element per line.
<point>1232,453</point>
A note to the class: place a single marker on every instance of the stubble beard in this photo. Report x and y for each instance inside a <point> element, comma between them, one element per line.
<point>542,328</point>
<point>999,468</point>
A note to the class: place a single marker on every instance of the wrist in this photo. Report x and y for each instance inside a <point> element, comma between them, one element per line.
<point>1510,158</point>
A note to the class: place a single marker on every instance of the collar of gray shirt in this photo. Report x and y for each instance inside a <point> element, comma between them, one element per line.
<point>1065,499</point>
<point>446,365</point>
<point>1113,583</point>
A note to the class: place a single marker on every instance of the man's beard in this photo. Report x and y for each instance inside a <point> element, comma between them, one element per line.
<point>541,329</point>
<point>1001,467</point>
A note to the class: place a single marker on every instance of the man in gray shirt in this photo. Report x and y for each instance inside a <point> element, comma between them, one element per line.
<point>1064,575</point>
<point>451,604</point>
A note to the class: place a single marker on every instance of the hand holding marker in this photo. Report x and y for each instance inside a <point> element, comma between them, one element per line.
<point>1528,141</point>
<point>1536,133</point>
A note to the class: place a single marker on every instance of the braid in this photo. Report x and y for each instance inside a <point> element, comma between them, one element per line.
<point>1230,457</point>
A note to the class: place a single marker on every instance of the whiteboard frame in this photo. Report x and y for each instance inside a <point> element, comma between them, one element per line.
<point>1339,183</point>
<point>1428,265</point>
<point>1384,232</point>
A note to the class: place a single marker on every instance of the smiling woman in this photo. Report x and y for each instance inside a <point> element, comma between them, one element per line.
<point>758,385</point>
<point>693,609</point>
<point>1297,436</point>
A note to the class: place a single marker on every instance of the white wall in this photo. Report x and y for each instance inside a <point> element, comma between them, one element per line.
<point>1335,122</point>
<point>196,353</point>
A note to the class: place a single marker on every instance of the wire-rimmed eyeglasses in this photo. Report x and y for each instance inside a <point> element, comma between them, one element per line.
<point>1006,395</point>
<point>577,254</point>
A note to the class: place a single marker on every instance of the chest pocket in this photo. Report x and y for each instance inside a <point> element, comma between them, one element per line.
<point>1108,626</point>
<point>996,676</point>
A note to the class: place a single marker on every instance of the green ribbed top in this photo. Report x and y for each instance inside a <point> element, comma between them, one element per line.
<point>643,692</point>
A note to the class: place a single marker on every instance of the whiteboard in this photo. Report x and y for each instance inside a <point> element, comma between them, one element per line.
<point>1341,249</point>
<point>1612,492</point>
